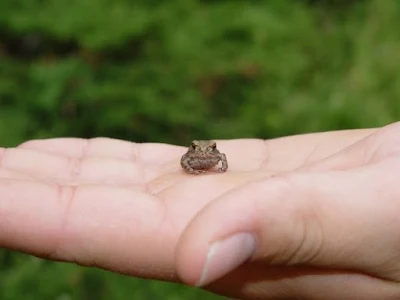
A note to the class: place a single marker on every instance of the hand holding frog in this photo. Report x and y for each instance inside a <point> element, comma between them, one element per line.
<point>312,216</point>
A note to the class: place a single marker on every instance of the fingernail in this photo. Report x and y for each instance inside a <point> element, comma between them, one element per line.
<point>225,255</point>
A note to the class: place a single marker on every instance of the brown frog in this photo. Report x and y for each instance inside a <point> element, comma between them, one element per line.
<point>201,156</point>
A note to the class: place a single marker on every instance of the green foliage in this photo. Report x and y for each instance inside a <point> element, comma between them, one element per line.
<point>32,278</point>
<point>176,70</point>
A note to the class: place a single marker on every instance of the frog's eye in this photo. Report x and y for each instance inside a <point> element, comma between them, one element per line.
<point>194,144</point>
<point>214,145</point>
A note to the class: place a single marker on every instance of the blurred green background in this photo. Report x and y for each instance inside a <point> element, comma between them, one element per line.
<point>176,70</point>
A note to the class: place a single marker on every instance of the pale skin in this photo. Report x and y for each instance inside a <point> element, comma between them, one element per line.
<point>324,209</point>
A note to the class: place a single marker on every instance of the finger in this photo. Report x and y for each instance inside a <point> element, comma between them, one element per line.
<point>290,153</point>
<point>256,281</point>
<point>72,171</point>
<point>12,174</point>
<point>287,153</point>
<point>371,148</point>
<point>115,228</point>
<point>53,168</point>
<point>71,147</point>
<point>318,219</point>
<point>148,153</point>
<point>275,155</point>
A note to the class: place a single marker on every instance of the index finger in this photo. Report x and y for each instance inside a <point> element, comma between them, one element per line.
<point>280,154</point>
<point>101,147</point>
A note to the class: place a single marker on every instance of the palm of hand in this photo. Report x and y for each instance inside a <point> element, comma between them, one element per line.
<point>123,206</point>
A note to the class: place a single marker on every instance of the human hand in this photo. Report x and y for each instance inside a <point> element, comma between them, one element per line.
<point>129,208</point>
<point>327,229</point>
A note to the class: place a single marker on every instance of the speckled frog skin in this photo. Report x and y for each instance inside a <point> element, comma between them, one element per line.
<point>202,156</point>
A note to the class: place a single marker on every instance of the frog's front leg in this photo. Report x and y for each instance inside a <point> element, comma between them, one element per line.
<point>224,163</point>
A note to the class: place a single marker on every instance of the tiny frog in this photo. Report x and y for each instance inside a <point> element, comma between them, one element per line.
<point>201,156</point>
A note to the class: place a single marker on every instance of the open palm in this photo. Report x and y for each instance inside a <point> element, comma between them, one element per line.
<point>122,206</point>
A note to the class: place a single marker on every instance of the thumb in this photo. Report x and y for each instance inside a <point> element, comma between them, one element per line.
<point>321,219</point>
